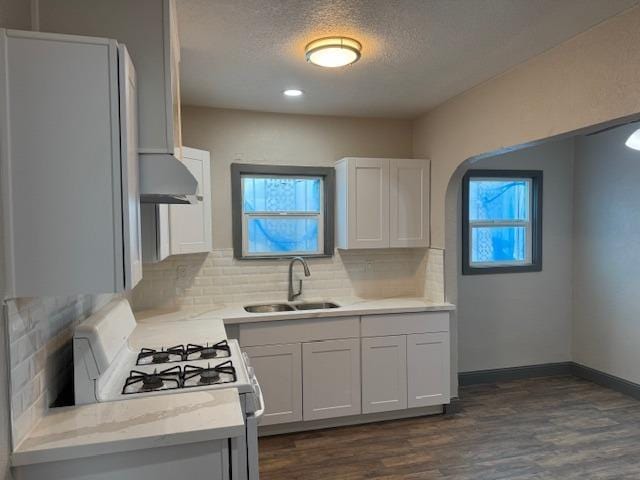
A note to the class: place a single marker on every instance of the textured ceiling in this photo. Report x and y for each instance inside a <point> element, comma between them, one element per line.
<point>416,53</point>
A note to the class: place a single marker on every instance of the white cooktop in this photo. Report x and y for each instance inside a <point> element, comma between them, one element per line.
<point>110,386</point>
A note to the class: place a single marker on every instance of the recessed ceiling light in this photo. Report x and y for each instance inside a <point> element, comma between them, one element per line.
<point>332,52</point>
<point>293,92</point>
<point>634,140</point>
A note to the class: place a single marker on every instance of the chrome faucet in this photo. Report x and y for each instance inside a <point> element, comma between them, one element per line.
<point>307,273</point>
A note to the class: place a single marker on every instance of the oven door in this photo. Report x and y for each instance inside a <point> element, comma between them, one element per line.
<point>253,419</point>
<point>245,449</point>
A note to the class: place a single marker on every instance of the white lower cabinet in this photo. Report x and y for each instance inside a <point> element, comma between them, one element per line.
<point>428,369</point>
<point>324,368</point>
<point>384,373</point>
<point>331,378</point>
<point>279,370</point>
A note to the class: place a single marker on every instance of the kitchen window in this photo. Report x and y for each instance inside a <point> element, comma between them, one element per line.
<point>282,211</point>
<point>501,221</point>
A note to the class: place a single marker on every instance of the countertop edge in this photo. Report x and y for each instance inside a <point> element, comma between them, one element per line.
<point>346,311</point>
<point>54,454</point>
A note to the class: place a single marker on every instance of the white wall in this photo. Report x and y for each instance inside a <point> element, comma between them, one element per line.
<point>606,302</point>
<point>509,320</point>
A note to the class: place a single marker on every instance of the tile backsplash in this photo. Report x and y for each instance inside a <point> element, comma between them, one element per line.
<point>218,278</point>
<point>40,331</point>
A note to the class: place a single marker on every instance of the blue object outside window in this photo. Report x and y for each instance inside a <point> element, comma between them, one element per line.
<point>282,215</point>
<point>502,226</point>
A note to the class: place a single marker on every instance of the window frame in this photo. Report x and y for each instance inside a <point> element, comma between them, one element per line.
<point>240,220</point>
<point>534,232</point>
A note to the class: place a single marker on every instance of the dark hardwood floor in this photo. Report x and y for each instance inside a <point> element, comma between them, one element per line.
<point>545,428</point>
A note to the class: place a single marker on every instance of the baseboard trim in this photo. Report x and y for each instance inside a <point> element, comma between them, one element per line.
<point>278,429</point>
<point>514,373</point>
<point>606,380</point>
<point>549,370</point>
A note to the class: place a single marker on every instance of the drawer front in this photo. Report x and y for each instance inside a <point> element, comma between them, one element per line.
<point>292,331</point>
<point>404,323</point>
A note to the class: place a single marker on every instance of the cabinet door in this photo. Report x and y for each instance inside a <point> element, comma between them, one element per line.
<point>191,224</point>
<point>368,203</point>
<point>384,373</point>
<point>130,177</point>
<point>428,369</point>
<point>279,372</point>
<point>331,380</point>
<point>409,203</point>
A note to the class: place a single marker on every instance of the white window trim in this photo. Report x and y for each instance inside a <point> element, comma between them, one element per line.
<point>504,223</point>
<point>246,216</point>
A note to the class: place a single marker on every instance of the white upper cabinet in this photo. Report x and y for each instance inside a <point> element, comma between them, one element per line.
<point>190,225</point>
<point>382,203</point>
<point>178,229</point>
<point>69,165</point>
<point>408,203</point>
<point>149,30</point>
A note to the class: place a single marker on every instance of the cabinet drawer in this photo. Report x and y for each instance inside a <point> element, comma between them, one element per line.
<point>404,323</point>
<point>292,331</point>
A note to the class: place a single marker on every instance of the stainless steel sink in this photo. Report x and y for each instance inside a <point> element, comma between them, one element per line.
<point>269,308</point>
<point>315,306</point>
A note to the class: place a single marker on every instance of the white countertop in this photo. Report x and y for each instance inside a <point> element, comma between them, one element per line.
<point>235,313</point>
<point>111,427</point>
<point>165,328</point>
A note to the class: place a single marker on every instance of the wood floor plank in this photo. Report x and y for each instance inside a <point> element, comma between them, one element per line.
<point>554,428</point>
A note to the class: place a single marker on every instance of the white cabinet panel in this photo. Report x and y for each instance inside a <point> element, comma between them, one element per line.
<point>382,203</point>
<point>428,369</point>
<point>331,378</point>
<point>191,224</point>
<point>409,203</point>
<point>384,373</point>
<point>363,203</point>
<point>69,187</point>
<point>279,372</point>
<point>130,172</point>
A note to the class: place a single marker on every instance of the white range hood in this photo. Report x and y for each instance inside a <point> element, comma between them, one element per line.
<point>165,179</point>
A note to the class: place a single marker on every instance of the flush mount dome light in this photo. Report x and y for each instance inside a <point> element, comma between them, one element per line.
<point>332,52</point>
<point>292,92</point>
<point>634,140</point>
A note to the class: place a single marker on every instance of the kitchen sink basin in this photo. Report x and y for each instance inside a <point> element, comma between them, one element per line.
<point>268,308</point>
<point>316,306</point>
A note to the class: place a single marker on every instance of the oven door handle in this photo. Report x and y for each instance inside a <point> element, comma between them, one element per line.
<point>260,411</point>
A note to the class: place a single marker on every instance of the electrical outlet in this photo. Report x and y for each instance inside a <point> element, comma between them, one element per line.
<point>368,266</point>
<point>182,272</point>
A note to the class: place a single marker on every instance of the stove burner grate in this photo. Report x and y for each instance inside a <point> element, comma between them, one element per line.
<point>168,379</point>
<point>219,374</point>
<point>151,355</point>
<point>208,352</point>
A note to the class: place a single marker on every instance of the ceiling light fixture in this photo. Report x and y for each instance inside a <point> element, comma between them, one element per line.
<point>634,140</point>
<point>332,52</point>
<point>293,92</point>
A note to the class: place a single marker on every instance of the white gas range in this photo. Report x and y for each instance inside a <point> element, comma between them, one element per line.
<point>108,367</point>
